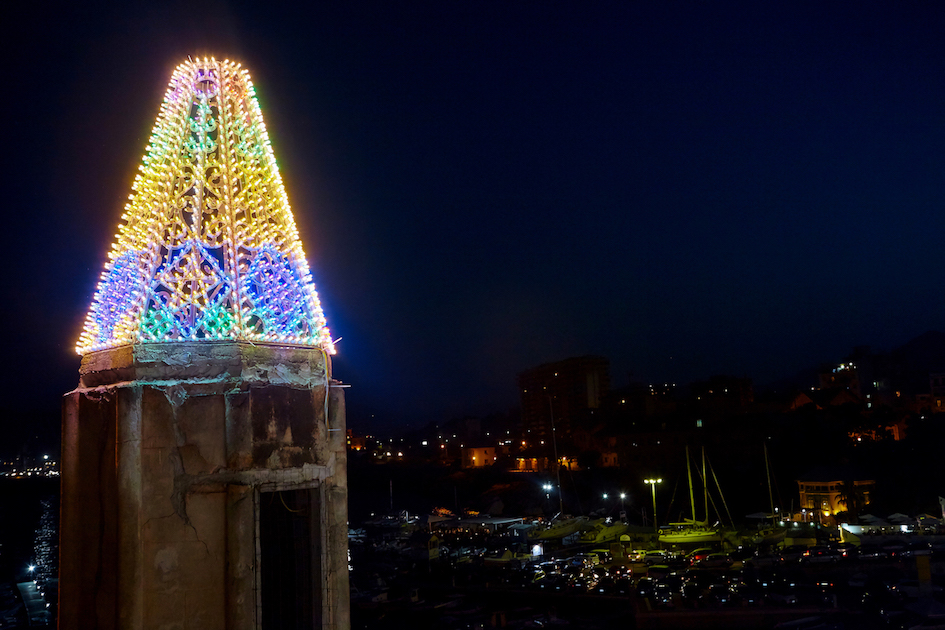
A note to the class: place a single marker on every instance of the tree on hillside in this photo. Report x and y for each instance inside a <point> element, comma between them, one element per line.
<point>852,498</point>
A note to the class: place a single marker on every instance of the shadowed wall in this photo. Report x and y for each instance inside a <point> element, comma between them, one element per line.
<point>168,453</point>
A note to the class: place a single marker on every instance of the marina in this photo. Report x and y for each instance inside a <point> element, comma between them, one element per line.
<point>469,572</point>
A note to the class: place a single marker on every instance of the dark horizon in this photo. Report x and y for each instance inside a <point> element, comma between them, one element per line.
<point>35,428</point>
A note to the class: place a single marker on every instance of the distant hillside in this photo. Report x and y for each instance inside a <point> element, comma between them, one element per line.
<point>925,352</point>
<point>919,357</point>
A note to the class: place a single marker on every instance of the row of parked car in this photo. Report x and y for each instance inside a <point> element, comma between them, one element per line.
<point>831,553</point>
<point>701,588</point>
<point>578,574</point>
<point>818,554</point>
<point>705,558</point>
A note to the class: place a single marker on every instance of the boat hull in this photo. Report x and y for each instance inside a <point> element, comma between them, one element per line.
<point>691,536</point>
<point>559,529</point>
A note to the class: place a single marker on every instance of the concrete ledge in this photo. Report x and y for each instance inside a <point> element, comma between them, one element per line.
<point>193,361</point>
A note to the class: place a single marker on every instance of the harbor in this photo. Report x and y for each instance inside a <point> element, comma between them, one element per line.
<point>469,572</point>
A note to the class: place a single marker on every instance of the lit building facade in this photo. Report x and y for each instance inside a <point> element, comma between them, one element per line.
<point>563,396</point>
<point>822,495</point>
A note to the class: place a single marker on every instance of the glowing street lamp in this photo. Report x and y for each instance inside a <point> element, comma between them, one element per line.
<point>652,483</point>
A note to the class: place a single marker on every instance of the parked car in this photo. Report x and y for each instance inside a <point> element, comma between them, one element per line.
<point>663,595</point>
<point>659,571</point>
<point>645,586</point>
<point>606,586</point>
<point>553,582</point>
<point>621,570</point>
<point>715,561</point>
<point>695,583</point>
<point>792,553</point>
<point>848,551</point>
<point>585,560</point>
<point>872,552</point>
<point>782,595</point>
<point>655,556</point>
<point>623,586</point>
<point>719,595</point>
<point>750,594</point>
<point>858,580</point>
<point>763,560</point>
<point>809,623</point>
<point>820,555</point>
<point>698,554</point>
<point>912,589</point>
<point>584,583</point>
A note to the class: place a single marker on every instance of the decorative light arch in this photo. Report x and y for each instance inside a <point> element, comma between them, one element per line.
<point>207,247</point>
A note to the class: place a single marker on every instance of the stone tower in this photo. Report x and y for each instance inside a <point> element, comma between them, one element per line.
<point>203,467</point>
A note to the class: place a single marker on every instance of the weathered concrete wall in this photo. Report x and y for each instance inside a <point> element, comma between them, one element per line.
<point>165,450</point>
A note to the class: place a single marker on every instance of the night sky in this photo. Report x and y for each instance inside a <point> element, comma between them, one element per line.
<point>686,188</point>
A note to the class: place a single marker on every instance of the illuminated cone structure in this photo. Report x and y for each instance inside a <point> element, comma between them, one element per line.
<point>204,480</point>
<point>208,248</point>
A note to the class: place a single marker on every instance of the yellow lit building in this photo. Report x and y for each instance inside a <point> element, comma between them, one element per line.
<point>479,457</point>
<point>821,495</point>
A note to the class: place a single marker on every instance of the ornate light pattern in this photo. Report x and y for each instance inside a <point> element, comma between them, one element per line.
<point>208,247</point>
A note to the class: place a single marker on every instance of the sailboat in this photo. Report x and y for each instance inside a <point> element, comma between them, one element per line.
<point>690,530</point>
<point>770,535</point>
<point>559,528</point>
<point>603,531</point>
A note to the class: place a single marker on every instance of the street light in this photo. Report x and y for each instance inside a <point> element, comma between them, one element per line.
<point>652,483</point>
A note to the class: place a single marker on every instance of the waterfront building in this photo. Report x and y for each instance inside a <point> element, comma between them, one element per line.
<point>826,491</point>
<point>561,397</point>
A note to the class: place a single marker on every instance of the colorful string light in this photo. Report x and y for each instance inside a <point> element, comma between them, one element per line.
<point>208,247</point>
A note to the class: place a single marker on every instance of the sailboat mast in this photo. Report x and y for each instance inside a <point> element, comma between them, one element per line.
<point>768,475</point>
<point>692,500</point>
<point>705,488</point>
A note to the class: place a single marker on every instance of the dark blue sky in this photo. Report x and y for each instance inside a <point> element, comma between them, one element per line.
<point>481,187</point>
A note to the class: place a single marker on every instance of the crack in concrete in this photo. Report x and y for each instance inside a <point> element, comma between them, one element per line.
<point>156,518</point>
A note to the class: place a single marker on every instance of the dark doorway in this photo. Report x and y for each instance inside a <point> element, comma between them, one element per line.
<point>290,560</point>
